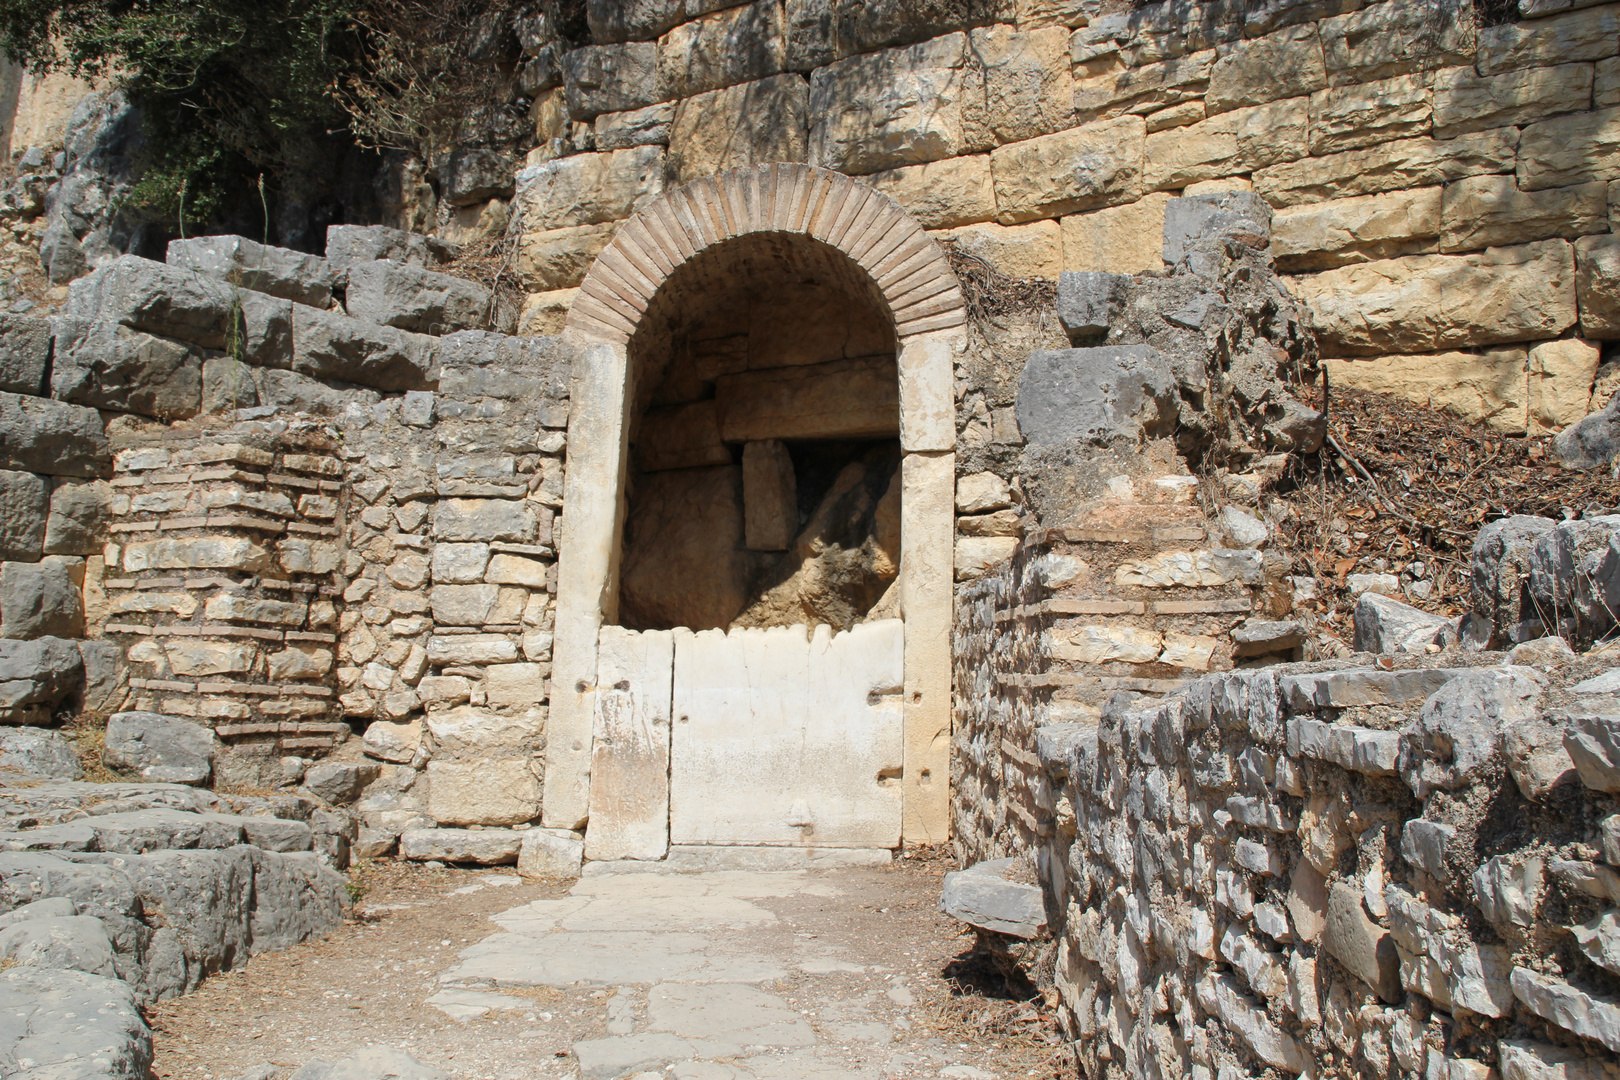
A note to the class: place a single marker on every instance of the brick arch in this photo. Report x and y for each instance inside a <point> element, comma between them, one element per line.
<point>907,266</point>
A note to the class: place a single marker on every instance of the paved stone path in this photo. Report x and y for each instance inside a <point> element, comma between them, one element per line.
<point>824,974</point>
<point>696,984</point>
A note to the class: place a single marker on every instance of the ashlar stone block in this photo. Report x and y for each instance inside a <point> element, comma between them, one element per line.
<point>630,745</point>
<point>1028,85</point>
<point>41,599</point>
<point>1284,64</point>
<point>897,107</point>
<point>732,46</point>
<point>588,189</point>
<point>1396,38</point>
<point>1140,90</point>
<point>1590,34</point>
<point>1561,374</point>
<point>24,506</point>
<point>1362,228</point>
<point>746,124</point>
<point>1570,150</point>
<point>1349,117</point>
<point>557,260</point>
<point>1491,211</point>
<point>1088,167</point>
<point>612,78</point>
<point>1229,143</point>
<point>1426,302</point>
<point>942,194</point>
<point>823,709</point>
<point>1395,166</point>
<point>484,520</point>
<point>1597,284</point>
<point>492,791</point>
<point>1465,100</point>
<point>770,496</point>
<point>1032,250</point>
<point>1124,239</point>
<point>1482,388</point>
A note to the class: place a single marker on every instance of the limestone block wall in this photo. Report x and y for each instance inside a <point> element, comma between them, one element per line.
<point>332,492</point>
<point>1439,184</point>
<point>1391,871</point>
<point>1140,593</point>
<point>218,586</point>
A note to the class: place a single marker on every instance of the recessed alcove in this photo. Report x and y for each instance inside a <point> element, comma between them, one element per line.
<point>763,482</point>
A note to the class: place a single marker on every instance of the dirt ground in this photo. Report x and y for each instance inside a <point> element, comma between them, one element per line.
<point>912,998</point>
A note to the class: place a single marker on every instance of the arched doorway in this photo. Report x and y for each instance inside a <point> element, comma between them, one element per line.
<point>773,327</point>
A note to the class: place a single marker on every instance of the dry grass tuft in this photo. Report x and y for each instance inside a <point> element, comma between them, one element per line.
<point>991,295</point>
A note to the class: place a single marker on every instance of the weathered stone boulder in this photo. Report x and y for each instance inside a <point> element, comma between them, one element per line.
<point>350,244</point>
<point>51,437</point>
<point>161,748</point>
<point>39,754</point>
<point>982,897</point>
<point>176,303</point>
<point>291,275</point>
<point>1206,223</point>
<point>25,353</point>
<point>1499,571</point>
<point>1574,578</point>
<point>55,1016</point>
<point>1592,739</point>
<point>487,847</point>
<point>1089,302</point>
<point>474,174</point>
<point>1459,732</point>
<point>1096,396</point>
<point>23,511</point>
<point>1592,443</point>
<point>67,943</point>
<point>1385,625</point>
<point>424,301</point>
<point>340,782</point>
<point>41,599</point>
<point>332,346</point>
<point>36,676</point>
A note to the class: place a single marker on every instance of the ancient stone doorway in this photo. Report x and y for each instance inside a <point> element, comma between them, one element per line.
<point>761,444</point>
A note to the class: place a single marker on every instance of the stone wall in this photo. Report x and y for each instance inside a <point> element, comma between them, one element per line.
<point>1439,184</point>
<point>330,510</point>
<point>1142,594</point>
<point>1396,863</point>
<point>1391,870</point>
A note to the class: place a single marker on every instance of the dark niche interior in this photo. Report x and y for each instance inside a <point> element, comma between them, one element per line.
<point>764,473</point>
